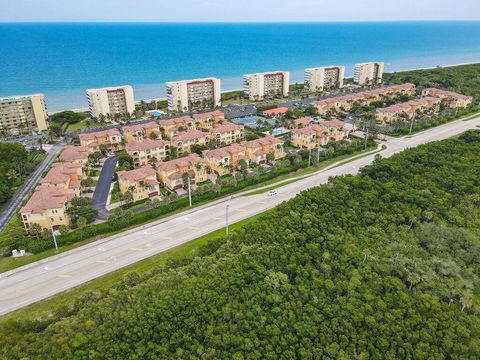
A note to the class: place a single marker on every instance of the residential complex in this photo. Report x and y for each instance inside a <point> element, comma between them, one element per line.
<point>368,73</point>
<point>407,110</point>
<point>452,99</point>
<point>142,183</point>
<point>46,207</point>
<point>183,141</point>
<point>142,130</point>
<point>23,113</point>
<point>48,204</point>
<point>110,138</point>
<point>171,172</point>
<point>223,160</point>
<point>147,151</point>
<point>191,95</point>
<point>226,133</point>
<point>318,134</point>
<point>266,85</point>
<point>346,102</point>
<point>324,78</point>
<point>76,154</point>
<point>65,175</point>
<point>110,101</point>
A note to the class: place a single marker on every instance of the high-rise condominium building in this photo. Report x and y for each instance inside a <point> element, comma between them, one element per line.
<point>23,113</point>
<point>111,100</point>
<point>324,78</point>
<point>266,85</point>
<point>368,73</point>
<point>196,94</point>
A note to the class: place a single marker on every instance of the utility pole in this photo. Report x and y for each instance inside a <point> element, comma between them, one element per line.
<point>318,153</point>
<point>309,156</point>
<point>189,191</point>
<point>226,221</point>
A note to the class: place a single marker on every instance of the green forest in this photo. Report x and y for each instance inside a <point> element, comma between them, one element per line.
<point>382,265</point>
<point>464,79</point>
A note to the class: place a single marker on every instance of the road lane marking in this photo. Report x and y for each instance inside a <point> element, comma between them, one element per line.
<point>136,249</point>
<point>66,276</point>
<point>217,218</point>
<point>241,210</point>
<point>102,261</point>
<point>193,228</point>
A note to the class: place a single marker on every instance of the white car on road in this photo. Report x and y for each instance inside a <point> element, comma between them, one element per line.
<point>272,193</point>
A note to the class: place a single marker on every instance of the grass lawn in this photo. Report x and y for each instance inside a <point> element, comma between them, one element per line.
<point>45,307</point>
<point>82,125</point>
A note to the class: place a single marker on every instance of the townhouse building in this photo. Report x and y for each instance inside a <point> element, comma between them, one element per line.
<point>141,182</point>
<point>257,149</point>
<point>319,134</point>
<point>148,151</point>
<point>362,98</point>
<point>75,154</point>
<point>141,131</point>
<point>223,160</point>
<point>452,99</point>
<point>65,176</point>
<point>304,138</point>
<point>171,172</point>
<point>302,122</point>
<point>112,138</point>
<point>226,133</point>
<point>46,207</point>
<point>182,142</point>
<point>404,111</point>
<point>208,120</point>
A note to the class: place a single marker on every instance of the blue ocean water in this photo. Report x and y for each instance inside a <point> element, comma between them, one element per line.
<point>62,60</point>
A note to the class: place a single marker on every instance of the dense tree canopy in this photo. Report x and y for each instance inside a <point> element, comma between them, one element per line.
<point>16,164</point>
<point>464,79</point>
<point>385,264</point>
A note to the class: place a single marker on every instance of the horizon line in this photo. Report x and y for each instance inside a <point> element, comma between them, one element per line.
<point>246,22</point>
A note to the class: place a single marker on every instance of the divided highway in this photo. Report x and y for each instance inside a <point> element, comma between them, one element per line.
<point>38,281</point>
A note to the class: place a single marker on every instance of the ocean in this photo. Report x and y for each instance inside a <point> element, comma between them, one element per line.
<point>61,60</point>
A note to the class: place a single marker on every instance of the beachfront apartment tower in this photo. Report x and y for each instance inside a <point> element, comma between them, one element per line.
<point>266,85</point>
<point>368,73</point>
<point>23,113</point>
<point>191,95</point>
<point>324,78</point>
<point>111,100</point>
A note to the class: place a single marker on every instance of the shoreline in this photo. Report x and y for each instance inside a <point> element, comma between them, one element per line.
<point>85,109</point>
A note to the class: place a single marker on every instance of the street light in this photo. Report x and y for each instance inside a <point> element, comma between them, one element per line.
<point>53,234</point>
<point>189,191</point>
<point>226,221</point>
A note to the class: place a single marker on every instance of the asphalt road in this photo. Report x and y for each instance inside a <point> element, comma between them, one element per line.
<point>12,207</point>
<point>100,196</point>
<point>34,282</point>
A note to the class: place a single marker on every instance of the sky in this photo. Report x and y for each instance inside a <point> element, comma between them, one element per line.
<point>236,10</point>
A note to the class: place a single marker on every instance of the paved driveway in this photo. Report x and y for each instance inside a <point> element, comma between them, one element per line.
<point>100,196</point>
